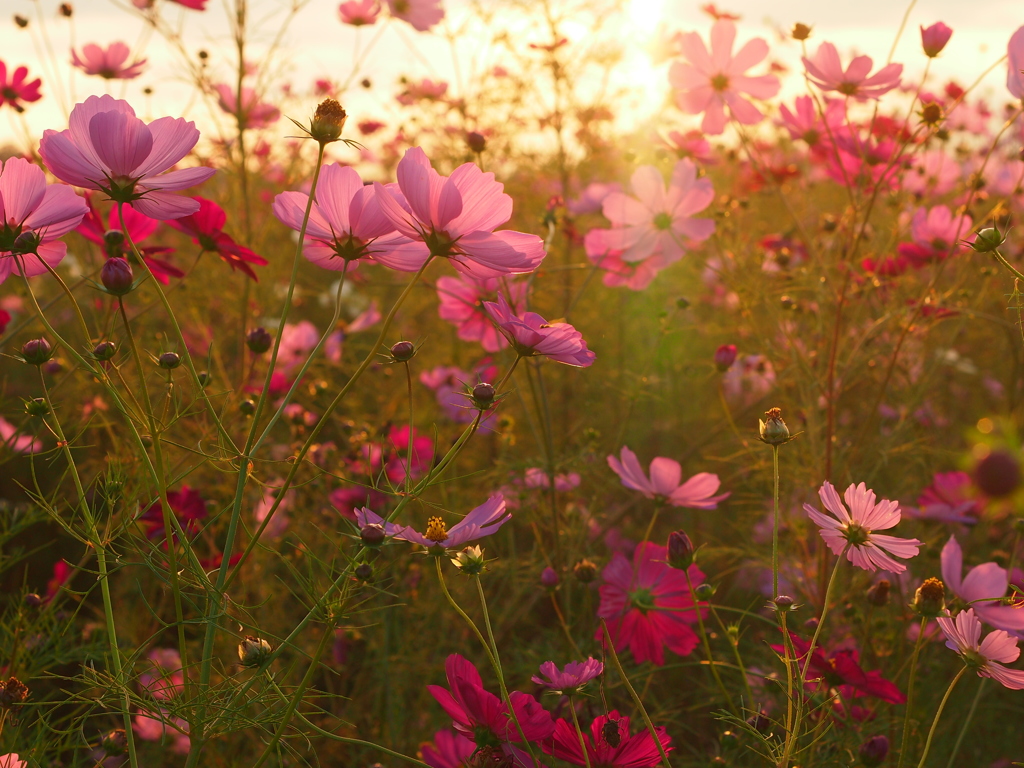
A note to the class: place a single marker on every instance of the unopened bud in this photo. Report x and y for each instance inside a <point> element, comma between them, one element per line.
<point>114,742</point>
<point>878,593</point>
<point>21,21</point>
<point>32,600</point>
<point>104,350</point>
<point>36,407</point>
<point>874,751</point>
<point>725,356</point>
<point>988,240</point>
<point>483,395</point>
<point>203,377</point>
<point>704,592</point>
<point>364,572</point>
<point>248,407</point>
<point>258,340</point>
<point>65,10</point>
<point>116,276</point>
<point>801,31</point>
<point>470,560</point>
<point>113,239</point>
<point>372,535</point>
<point>930,598</point>
<point>36,351</point>
<point>169,360</point>
<point>549,577</point>
<point>680,550</point>
<point>253,651</point>
<point>476,141</point>
<point>585,571</point>
<point>403,351</point>
<point>931,113</point>
<point>774,430</point>
<point>26,242</point>
<point>783,602</point>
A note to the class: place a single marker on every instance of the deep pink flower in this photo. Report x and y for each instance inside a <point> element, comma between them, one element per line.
<point>16,89</point>
<point>530,334</point>
<point>152,726</point>
<point>936,234</point>
<point>450,750</point>
<point>421,14</point>
<point>853,532</point>
<point>484,718</point>
<point>951,498</point>
<point>982,583</point>
<point>359,12</point>
<point>33,214</point>
<point>139,226</point>
<point>934,38</point>
<point>451,385</point>
<point>665,482</point>
<point>826,71</point>
<point>397,450</point>
<point>841,669</point>
<point>1014,71</point>
<point>186,505</point>
<point>482,521</point>
<point>347,499</point>
<point>709,82</point>
<point>805,124</point>
<point>454,217</point>
<point>61,576</point>
<point>865,161</point>
<point>108,62</point>
<point>692,145</point>
<point>346,224</point>
<point>254,113</point>
<point>630,751</point>
<point>574,676</point>
<point>206,228</point>
<point>5,318</point>
<point>659,220</point>
<point>648,604</point>
<point>106,147</point>
<point>12,440</point>
<point>963,634</point>
<point>462,305</point>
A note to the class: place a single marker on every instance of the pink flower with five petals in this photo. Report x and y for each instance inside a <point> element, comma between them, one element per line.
<point>16,89</point>
<point>826,71</point>
<point>109,62</point>
<point>983,586</point>
<point>963,635</point>
<point>665,481</point>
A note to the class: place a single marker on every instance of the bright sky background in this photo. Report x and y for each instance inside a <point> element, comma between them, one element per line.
<point>318,45</point>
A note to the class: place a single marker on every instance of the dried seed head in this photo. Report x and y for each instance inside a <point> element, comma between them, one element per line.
<point>930,598</point>
<point>328,121</point>
<point>801,31</point>
<point>12,692</point>
<point>585,571</point>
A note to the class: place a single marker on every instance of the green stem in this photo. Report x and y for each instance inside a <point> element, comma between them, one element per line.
<point>465,616</point>
<point>966,723</point>
<point>938,714</point>
<point>905,742</point>
<point>736,654</point>
<point>707,645</point>
<point>579,733</point>
<point>775,524</point>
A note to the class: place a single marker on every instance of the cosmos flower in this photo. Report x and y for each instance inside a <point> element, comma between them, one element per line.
<point>12,440</point>
<point>853,532</point>
<point>359,13</point>
<point>16,90</point>
<point>951,498</point>
<point>1014,65</point>
<point>574,676</point>
<point>826,71</point>
<point>461,304</point>
<point>841,669</point>
<point>978,588</point>
<point>206,228</point>
<point>482,521</point>
<point>936,233</point>
<point>109,62</point>
<point>530,335</point>
<point>450,749</point>
<point>665,481</point>
<point>963,634</point>
<point>254,113</point>
<point>609,743</point>
<point>420,14</point>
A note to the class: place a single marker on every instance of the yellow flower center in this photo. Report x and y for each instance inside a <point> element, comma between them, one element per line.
<point>436,530</point>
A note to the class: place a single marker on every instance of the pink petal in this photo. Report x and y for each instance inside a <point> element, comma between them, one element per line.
<point>665,476</point>
<point>22,186</point>
<point>165,205</point>
<point>484,202</point>
<point>122,142</point>
<point>173,138</point>
<point>176,180</point>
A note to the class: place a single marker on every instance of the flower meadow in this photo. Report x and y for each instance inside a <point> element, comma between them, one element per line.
<point>483,429</point>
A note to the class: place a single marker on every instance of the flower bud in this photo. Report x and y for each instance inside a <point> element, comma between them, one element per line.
<point>403,351</point>
<point>680,550</point>
<point>682,302</point>
<point>248,407</point>
<point>931,113</point>
<point>774,430</point>
<point>934,39</point>
<point>704,592</point>
<point>328,121</point>
<point>258,340</point>
<point>998,474</point>
<point>988,240</point>
<point>21,21</point>
<point>364,572</point>
<point>203,377</point>
<point>104,350</point>
<point>878,593</point>
<point>114,742</point>
<point>874,751</point>
<point>470,560</point>
<point>36,351</point>
<point>760,722</point>
<point>116,276</point>
<point>372,535</point>
<point>32,600</point>
<point>725,356</point>
<point>483,395</point>
<point>729,740</point>
<point>65,10</point>
<point>476,141</point>
<point>783,602</point>
<point>585,571</point>
<point>253,651</point>
<point>26,242</point>
<point>169,360</point>
<point>36,407</point>
<point>930,598</point>
<point>801,31</point>
<point>549,578</point>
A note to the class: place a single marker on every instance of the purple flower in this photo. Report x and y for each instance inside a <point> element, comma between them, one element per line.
<point>482,521</point>
<point>569,680</point>
<point>532,335</point>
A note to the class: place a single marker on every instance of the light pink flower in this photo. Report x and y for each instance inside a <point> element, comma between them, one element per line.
<point>346,224</point>
<point>535,477</point>
<point>665,482</point>
<point>297,341</point>
<point>279,522</point>
<point>530,334</point>
<point>709,82</point>
<point>153,725</point>
<point>421,14</point>
<point>951,498</point>
<point>482,521</point>
<point>592,198</point>
<point>853,532</point>
<point>454,217</point>
<point>33,214</point>
<point>691,144</point>
<point>254,113</point>
<point>106,147</point>
<point>359,12</point>
<point>462,305</point>
<point>826,71</point>
<point>934,38</point>
<point>425,90</point>
<point>16,89</point>
<point>11,760</point>
<point>805,124</point>
<point>635,275</point>
<point>574,675</point>
<point>11,439</point>
<point>659,220</point>
<point>982,583</point>
<point>108,62</point>
<point>1015,64</point>
<point>936,234</point>
<point>963,634</point>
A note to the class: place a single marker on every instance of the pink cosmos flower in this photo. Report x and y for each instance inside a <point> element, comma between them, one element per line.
<point>951,498</point>
<point>187,505</point>
<point>397,450</point>
<point>535,477</point>
<point>11,760</point>
<point>648,604</point>
<point>749,379</point>
<point>298,340</point>
<point>425,90</point>
<point>450,385</point>
<point>853,532</point>
<point>826,71</point>
<point>164,678</point>
<point>482,521</point>
<point>574,676</point>
<point>982,583</point>
<point>841,669</point>
<point>592,198</point>
<point>359,12</point>
<point>421,14</point>
<point>1014,65</point>
<point>936,234</point>
<point>635,275</point>
<point>630,751</point>
<point>482,717</point>
<point>805,124</point>
<point>462,305</point>
<point>279,522</point>
<point>659,220</point>
<point>450,750</point>
<point>106,147</point>
<point>709,82</point>
<point>963,634</point>
<point>140,227</point>
<point>530,334</point>
<point>254,113</point>
<point>152,726</point>
<point>665,481</point>
<point>454,217</point>
<point>934,38</point>
<point>692,145</point>
<point>206,228</point>
<point>5,318</point>
<point>346,224</point>
<point>33,214</point>
<point>16,90</point>
<point>109,62</point>
<point>11,439</point>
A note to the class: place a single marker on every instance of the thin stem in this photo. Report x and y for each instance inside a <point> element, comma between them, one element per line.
<point>967,722</point>
<point>707,644</point>
<point>904,743</point>
<point>579,733</point>
<point>464,615</point>
<point>775,523</point>
<point>736,654</point>
<point>938,714</point>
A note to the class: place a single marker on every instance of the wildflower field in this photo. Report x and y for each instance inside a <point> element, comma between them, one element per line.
<point>509,384</point>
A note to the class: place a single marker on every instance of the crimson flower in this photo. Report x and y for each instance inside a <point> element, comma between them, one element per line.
<point>186,504</point>
<point>206,228</point>
<point>841,669</point>
<point>16,89</point>
<point>612,747</point>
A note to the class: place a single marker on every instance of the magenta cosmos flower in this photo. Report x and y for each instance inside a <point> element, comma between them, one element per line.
<point>659,220</point>
<point>16,90</point>
<point>569,680</point>
<point>620,750</point>
<point>936,233</point>
<point>1014,72</point>
<point>106,147</point>
<point>482,521</point>
<point>206,228</point>
<point>826,71</point>
<point>665,483</point>
<point>359,13</point>
<point>963,634</point>
<point>648,604</point>
<point>951,498</point>
<point>934,38</point>
<point>33,214</point>
<point>109,62</point>
<point>709,82</point>
<point>421,14</point>
<point>484,718</point>
<point>450,749</point>
<point>454,217</point>
<point>462,305</point>
<point>254,113</point>
<point>853,532</point>
<point>530,334</point>
<point>346,224</point>
<point>983,586</point>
